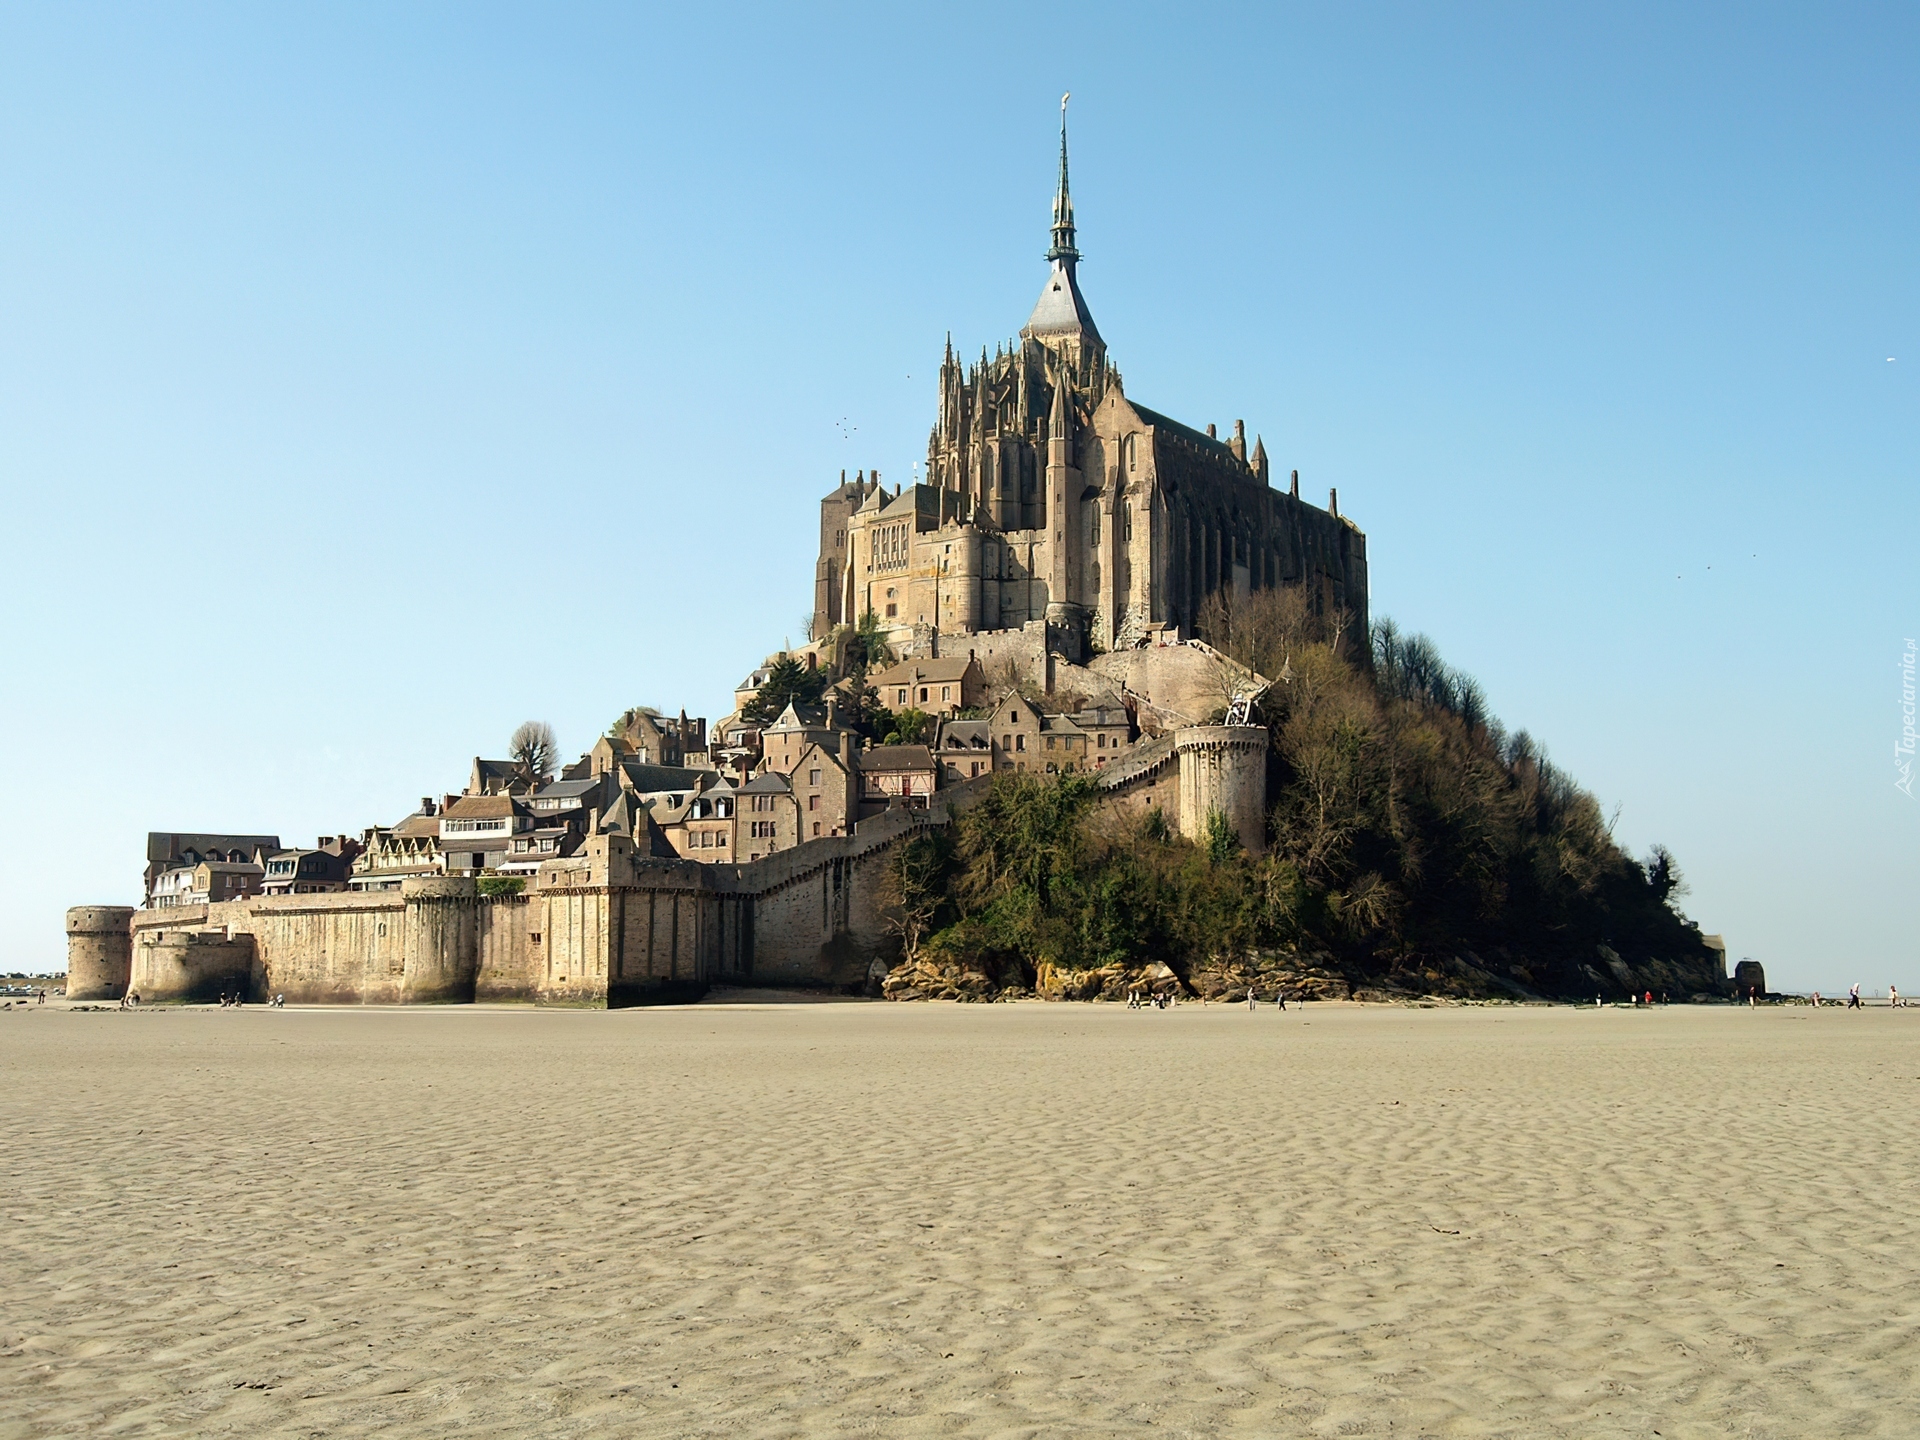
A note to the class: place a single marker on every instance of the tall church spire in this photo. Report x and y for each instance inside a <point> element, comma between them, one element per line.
<point>1060,320</point>
<point>1063,203</point>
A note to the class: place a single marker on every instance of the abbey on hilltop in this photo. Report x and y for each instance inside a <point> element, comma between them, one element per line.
<point>1053,500</point>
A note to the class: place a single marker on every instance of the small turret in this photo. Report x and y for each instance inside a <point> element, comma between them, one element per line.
<point>1239,442</point>
<point>1060,419</point>
<point>1260,459</point>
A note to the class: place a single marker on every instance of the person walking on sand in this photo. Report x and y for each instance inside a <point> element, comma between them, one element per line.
<point>1252,1004</point>
<point>1893,997</point>
<point>1853,997</point>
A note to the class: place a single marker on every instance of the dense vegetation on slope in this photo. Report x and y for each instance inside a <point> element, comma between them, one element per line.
<point>1415,847</point>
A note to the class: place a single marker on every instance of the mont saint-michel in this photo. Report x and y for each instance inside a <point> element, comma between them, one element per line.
<point>1094,709</point>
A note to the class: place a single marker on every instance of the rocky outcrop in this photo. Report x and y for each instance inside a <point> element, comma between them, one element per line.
<point>927,978</point>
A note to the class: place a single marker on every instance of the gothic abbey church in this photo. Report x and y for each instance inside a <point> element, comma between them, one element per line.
<point>1051,497</point>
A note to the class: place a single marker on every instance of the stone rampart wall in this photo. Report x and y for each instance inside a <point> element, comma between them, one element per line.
<point>603,928</point>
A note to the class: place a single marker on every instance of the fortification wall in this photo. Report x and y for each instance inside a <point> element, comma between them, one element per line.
<point>182,965</point>
<point>603,928</point>
<point>1145,778</point>
<point>1003,654</point>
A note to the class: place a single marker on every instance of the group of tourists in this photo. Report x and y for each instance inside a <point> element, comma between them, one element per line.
<point>1854,1002</point>
<point>1163,1000</point>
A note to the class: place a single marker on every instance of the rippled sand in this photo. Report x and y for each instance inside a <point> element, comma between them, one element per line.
<point>1016,1220</point>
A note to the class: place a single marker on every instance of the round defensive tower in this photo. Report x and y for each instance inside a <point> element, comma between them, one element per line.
<point>960,587</point>
<point>99,951</point>
<point>1224,768</point>
<point>440,951</point>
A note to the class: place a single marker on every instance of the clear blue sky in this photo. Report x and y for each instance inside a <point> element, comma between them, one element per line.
<point>373,378</point>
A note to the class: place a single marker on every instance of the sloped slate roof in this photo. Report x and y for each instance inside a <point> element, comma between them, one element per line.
<point>165,844</point>
<point>653,779</point>
<point>481,807</point>
<point>567,789</point>
<point>918,672</point>
<point>1061,308</point>
<point>966,735</point>
<point>895,757</point>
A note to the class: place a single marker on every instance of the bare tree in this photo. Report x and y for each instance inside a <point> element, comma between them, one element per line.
<point>533,749</point>
<point>914,888</point>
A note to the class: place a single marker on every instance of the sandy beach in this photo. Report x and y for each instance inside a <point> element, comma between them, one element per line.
<point>1020,1220</point>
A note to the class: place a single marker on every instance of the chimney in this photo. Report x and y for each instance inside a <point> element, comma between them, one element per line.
<point>1239,442</point>
<point>813,663</point>
<point>1212,434</point>
<point>593,821</point>
<point>323,842</point>
<point>1295,491</point>
<point>426,804</point>
<point>833,710</point>
<point>1333,502</point>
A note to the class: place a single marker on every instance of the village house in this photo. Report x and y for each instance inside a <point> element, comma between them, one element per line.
<point>323,870</point>
<point>169,850</point>
<point>896,775</point>
<point>661,786</point>
<point>215,881</point>
<point>769,815</point>
<point>748,689</point>
<point>476,832</point>
<point>392,853</point>
<point>496,777</point>
<point>964,750</point>
<point>1014,728</point>
<point>939,687</point>
<point>628,816</point>
<point>643,734</point>
<point>558,796</point>
<point>702,827</point>
<point>527,851</point>
<point>824,792</point>
<point>171,888</point>
<point>1109,729</point>
<point>800,727</point>
<point>1063,745</point>
<point>736,746</point>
